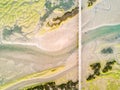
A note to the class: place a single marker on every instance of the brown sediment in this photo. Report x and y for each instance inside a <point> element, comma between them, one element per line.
<point>91,2</point>
<point>64,17</point>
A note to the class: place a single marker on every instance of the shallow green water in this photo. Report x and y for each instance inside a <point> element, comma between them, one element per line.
<point>100,32</point>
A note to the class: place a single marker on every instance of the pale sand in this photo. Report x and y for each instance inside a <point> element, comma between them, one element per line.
<point>65,37</point>
<point>106,14</point>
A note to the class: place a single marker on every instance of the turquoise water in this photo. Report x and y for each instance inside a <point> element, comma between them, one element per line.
<point>100,32</point>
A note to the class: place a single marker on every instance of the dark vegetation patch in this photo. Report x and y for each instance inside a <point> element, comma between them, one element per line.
<point>108,66</point>
<point>70,85</point>
<point>96,67</point>
<point>108,50</point>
